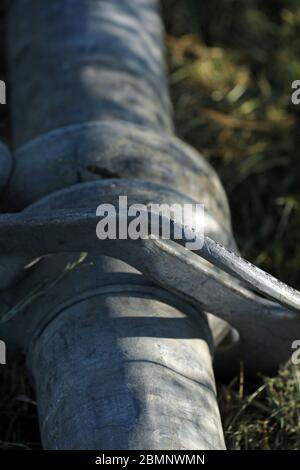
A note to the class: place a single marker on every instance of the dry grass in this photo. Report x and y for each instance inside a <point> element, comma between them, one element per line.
<point>262,416</point>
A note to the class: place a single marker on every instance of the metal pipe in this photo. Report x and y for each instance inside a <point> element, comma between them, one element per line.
<point>129,366</point>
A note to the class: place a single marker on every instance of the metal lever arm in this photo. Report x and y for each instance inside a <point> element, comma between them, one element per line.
<point>267,329</point>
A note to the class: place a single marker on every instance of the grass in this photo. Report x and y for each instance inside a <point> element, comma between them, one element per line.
<point>231,67</point>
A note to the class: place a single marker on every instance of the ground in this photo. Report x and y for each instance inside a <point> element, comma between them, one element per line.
<point>231,66</point>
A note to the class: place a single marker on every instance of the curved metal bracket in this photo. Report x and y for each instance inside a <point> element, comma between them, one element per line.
<point>267,328</point>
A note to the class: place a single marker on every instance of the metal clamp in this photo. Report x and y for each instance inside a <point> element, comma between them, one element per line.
<point>265,312</point>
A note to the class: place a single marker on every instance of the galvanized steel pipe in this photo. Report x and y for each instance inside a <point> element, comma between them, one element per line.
<point>117,362</point>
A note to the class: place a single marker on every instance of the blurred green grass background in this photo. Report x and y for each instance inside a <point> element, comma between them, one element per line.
<point>231,66</point>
